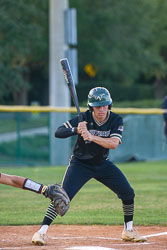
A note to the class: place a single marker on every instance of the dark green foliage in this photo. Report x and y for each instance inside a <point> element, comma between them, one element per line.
<point>125,41</point>
<point>119,92</point>
<point>23,43</point>
<point>138,104</point>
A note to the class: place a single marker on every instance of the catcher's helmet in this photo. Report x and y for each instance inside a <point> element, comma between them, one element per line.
<point>99,97</point>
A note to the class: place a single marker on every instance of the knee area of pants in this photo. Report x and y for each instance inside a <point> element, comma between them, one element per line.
<point>128,196</point>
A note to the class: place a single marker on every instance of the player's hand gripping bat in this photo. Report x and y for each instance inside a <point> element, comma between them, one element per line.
<point>71,85</point>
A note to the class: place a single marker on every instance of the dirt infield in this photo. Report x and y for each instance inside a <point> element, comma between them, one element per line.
<point>81,237</point>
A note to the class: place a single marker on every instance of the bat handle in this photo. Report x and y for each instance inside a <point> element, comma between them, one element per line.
<point>80,116</point>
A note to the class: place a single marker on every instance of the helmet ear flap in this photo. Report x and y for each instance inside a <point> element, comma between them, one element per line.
<point>90,108</point>
<point>109,106</point>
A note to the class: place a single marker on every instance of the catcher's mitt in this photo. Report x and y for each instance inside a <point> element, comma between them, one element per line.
<point>58,197</point>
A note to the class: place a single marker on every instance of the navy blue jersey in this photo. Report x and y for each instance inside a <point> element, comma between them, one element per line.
<point>92,153</point>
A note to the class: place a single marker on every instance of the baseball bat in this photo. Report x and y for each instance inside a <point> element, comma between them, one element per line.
<point>71,85</point>
<point>70,82</point>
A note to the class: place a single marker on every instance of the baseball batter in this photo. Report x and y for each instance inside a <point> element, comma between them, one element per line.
<point>103,129</point>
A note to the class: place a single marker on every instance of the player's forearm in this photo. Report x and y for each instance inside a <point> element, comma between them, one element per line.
<point>63,132</point>
<point>110,143</point>
<point>12,180</point>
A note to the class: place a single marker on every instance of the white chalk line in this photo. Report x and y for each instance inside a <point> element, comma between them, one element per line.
<point>154,235</point>
<point>83,237</point>
<point>103,238</point>
<point>131,244</point>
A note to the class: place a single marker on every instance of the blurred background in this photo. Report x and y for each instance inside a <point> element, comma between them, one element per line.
<point>120,45</point>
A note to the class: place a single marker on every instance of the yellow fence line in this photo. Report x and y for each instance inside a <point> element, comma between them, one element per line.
<point>35,109</point>
<point>146,111</point>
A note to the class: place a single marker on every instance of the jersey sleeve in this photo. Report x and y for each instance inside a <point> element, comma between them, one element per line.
<point>69,128</point>
<point>117,129</point>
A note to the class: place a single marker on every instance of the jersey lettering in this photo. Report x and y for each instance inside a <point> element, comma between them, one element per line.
<point>100,133</point>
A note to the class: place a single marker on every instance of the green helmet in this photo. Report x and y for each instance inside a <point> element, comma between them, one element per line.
<point>99,97</point>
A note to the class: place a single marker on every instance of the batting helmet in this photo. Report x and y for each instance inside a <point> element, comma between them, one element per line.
<point>99,97</point>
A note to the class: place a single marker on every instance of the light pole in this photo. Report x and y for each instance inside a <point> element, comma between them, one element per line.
<point>58,92</point>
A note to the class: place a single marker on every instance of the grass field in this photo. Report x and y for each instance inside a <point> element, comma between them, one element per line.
<point>94,204</point>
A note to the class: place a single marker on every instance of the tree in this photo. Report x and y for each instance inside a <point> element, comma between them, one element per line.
<point>23,45</point>
<point>124,40</point>
<point>158,48</point>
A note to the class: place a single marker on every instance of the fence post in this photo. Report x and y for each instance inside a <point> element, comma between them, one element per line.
<point>18,114</point>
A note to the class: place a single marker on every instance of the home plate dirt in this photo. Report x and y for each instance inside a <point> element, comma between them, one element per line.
<point>74,237</point>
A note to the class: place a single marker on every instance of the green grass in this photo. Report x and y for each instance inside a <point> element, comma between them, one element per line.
<point>94,204</point>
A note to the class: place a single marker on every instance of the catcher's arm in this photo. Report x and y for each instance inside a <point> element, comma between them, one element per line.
<point>59,198</point>
<point>12,180</point>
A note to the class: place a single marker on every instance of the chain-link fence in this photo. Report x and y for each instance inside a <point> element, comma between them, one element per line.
<point>25,135</point>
